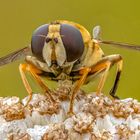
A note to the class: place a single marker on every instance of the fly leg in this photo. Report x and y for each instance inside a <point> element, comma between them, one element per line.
<point>84,72</point>
<point>22,69</point>
<point>117,78</point>
<point>103,67</point>
<point>34,72</point>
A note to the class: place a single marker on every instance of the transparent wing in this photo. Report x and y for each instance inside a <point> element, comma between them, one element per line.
<point>19,54</point>
<point>97,39</point>
<point>119,44</point>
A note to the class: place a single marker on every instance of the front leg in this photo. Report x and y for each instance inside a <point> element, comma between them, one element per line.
<point>84,72</point>
<point>34,72</point>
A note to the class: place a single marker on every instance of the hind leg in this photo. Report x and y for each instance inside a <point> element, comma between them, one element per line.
<point>103,66</point>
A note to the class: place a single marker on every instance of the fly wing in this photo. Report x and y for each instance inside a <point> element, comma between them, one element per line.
<point>19,54</point>
<point>119,44</point>
<point>97,39</point>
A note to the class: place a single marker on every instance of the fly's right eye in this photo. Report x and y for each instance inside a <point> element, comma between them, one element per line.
<point>38,40</point>
<point>73,42</point>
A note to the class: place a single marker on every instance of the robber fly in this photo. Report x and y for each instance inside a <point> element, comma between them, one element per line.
<point>63,48</point>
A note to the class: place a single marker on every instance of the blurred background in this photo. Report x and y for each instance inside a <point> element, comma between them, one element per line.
<point>120,21</point>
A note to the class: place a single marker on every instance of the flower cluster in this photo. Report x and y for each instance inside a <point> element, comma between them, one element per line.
<point>96,118</point>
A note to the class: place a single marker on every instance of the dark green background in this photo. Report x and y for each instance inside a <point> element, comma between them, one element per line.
<point>120,21</point>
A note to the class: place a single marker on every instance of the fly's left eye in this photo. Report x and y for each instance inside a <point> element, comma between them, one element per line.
<point>38,40</point>
<point>73,42</point>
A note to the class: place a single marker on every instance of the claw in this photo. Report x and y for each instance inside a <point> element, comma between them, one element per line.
<point>28,101</point>
<point>70,113</point>
<point>115,97</point>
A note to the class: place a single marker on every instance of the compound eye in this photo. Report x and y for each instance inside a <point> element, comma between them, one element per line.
<point>73,42</point>
<point>38,40</point>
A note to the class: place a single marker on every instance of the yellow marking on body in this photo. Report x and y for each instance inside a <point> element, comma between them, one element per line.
<point>54,30</point>
<point>54,51</point>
